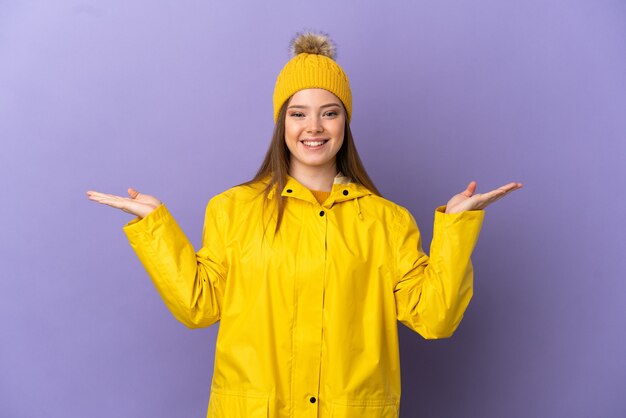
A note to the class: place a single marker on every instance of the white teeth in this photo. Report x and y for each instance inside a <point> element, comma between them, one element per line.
<point>313,143</point>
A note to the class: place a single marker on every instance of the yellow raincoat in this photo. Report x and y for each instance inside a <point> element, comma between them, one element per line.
<point>308,318</point>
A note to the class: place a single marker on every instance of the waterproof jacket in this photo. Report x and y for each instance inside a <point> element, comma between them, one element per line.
<point>308,317</point>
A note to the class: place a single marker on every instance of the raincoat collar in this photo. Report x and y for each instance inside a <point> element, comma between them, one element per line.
<point>343,189</point>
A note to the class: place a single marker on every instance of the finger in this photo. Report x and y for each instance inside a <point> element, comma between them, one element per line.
<point>99,195</point>
<point>110,200</point>
<point>471,188</point>
<point>107,201</point>
<point>133,193</point>
<point>495,195</point>
<point>92,194</point>
<point>502,190</point>
<point>510,186</point>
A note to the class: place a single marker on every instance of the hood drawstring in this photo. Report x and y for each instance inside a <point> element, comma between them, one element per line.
<point>358,208</point>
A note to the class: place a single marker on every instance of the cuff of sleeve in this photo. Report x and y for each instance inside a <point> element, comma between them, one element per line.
<point>143,225</point>
<point>442,218</point>
<point>458,231</point>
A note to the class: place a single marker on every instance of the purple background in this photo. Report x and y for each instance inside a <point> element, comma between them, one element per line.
<point>174,98</point>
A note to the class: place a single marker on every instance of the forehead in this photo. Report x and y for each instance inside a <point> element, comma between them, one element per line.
<point>313,96</point>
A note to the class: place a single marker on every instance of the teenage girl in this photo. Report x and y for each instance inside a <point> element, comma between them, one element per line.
<point>307,267</point>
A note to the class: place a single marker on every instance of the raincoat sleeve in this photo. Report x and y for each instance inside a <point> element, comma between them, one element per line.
<point>191,284</point>
<point>432,293</point>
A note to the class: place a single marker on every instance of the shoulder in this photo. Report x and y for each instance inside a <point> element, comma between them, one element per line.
<point>389,209</point>
<point>238,195</point>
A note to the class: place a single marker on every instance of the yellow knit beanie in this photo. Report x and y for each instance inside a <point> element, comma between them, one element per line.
<point>312,66</point>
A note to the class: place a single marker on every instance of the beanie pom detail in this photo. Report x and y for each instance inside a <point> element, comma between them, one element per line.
<point>313,43</point>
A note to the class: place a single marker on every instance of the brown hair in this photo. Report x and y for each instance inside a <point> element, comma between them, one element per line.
<point>276,163</point>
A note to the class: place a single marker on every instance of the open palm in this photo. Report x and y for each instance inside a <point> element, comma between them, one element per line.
<point>469,200</point>
<point>138,204</point>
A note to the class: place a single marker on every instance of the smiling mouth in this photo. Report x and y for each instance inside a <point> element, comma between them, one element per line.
<point>314,143</point>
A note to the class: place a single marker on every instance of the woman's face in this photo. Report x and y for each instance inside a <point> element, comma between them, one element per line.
<point>314,129</point>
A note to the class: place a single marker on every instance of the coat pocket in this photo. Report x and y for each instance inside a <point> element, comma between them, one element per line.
<point>229,404</point>
<point>365,409</point>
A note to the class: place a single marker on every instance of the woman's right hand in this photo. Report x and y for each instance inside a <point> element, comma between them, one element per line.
<point>138,204</point>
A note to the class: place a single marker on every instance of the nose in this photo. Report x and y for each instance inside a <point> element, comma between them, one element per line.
<point>314,124</point>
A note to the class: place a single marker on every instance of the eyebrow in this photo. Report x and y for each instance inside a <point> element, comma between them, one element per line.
<point>306,107</point>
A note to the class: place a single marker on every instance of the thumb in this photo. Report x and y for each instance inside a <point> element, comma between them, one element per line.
<point>471,188</point>
<point>133,193</point>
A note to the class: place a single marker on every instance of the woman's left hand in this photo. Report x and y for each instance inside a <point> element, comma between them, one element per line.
<point>467,200</point>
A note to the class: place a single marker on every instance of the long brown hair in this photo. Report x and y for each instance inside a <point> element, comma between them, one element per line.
<point>276,163</point>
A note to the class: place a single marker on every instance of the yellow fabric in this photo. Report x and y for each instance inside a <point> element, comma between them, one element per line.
<point>306,71</point>
<point>320,196</point>
<point>308,318</point>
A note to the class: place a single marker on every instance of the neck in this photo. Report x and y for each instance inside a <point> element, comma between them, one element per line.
<point>315,178</point>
